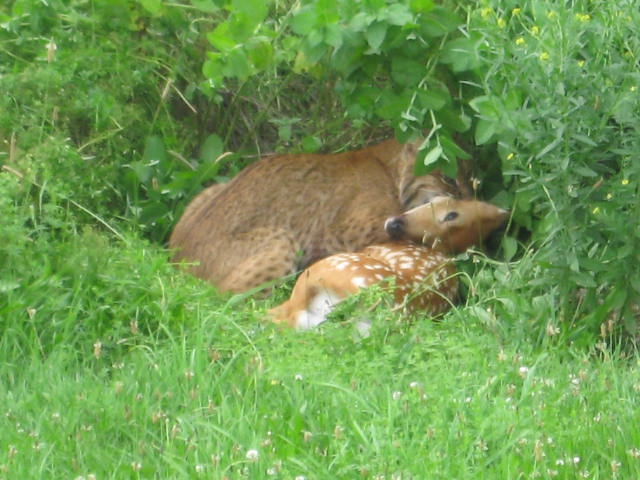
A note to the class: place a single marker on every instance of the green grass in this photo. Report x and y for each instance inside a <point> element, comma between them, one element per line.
<point>115,364</point>
<point>439,401</point>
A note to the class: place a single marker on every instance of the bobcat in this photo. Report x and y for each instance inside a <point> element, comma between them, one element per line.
<point>284,212</point>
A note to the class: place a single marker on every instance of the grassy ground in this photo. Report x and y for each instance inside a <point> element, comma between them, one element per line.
<point>114,364</point>
<point>213,393</point>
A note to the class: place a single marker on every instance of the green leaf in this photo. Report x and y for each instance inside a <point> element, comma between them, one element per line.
<point>238,65</point>
<point>477,103</point>
<point>625,109</point>
<point>315,38</point>
<point>285,132</point>
<point>310,54</point>
<point>221,38</point>
<point>349,57</point>
<point>421,6</point>
<point>485,129</point>
<point>584,171</point>
<point>207,6</point>
<point>432,99</point>
<point>255,10</point>
<point>439,22</point>
<point>407,72</point>
<point>584,279</point>
<point>301,63</point>
<point>396,14</point>
<point>142,171</point>
<point>153,212</point>
<point>211,149</point>
<point>391,105</point>
<point>311,143</point>
<point>261,55</point>
<point>304,21</point>
<point>487,106</point>
<point>213,70</point>
<point>452,120</point>
<point>333,35</point>
<point>462,54</point>
<point>154,150</point>
<point>153,6</point>
<point>432,156</point>
<point>361,21</point>
<point>584,139</point>
<point>509,247</point>
<point>376,34</point>
<point>452,149</point>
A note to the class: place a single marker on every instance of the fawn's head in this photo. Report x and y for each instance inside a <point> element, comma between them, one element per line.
<point>448,224</point>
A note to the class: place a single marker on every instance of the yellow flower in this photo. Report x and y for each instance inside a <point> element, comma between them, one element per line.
<point>502,23</point>
<point>519,41</point>
<point>516,11</point>
<point>544,56</point>
<point>633,88</point>
<point>510,156</point>
<point>535,30</point>
<point>625,181</point>
<point>596,210</point>
<point>583,17</point>
<point>609,196</point>
<point>485,12</point>
<point>581,63</point>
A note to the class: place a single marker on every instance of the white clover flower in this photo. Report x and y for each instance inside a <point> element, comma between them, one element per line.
<point>252,455</point>
<point>634,452</point>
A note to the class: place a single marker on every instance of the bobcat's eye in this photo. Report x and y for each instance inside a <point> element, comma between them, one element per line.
<point>450,216</point>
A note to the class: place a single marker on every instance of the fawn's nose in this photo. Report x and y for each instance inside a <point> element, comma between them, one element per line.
<point>394,227</point>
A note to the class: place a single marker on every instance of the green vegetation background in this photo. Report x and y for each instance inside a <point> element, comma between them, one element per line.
<point>113,364</point>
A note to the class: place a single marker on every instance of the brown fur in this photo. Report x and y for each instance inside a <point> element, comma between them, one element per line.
<point>283,212</point>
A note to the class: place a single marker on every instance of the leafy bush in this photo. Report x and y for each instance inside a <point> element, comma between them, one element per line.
<point>388,61</point>
<point>561,99</point>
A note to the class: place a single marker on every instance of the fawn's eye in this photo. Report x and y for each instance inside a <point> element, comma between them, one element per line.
<point>450,216</point>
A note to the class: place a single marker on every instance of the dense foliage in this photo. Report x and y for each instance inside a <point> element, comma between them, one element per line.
<point>114,364</point>
<point>560,98</point>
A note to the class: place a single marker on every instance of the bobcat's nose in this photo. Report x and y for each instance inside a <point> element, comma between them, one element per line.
<point>394,227</point>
